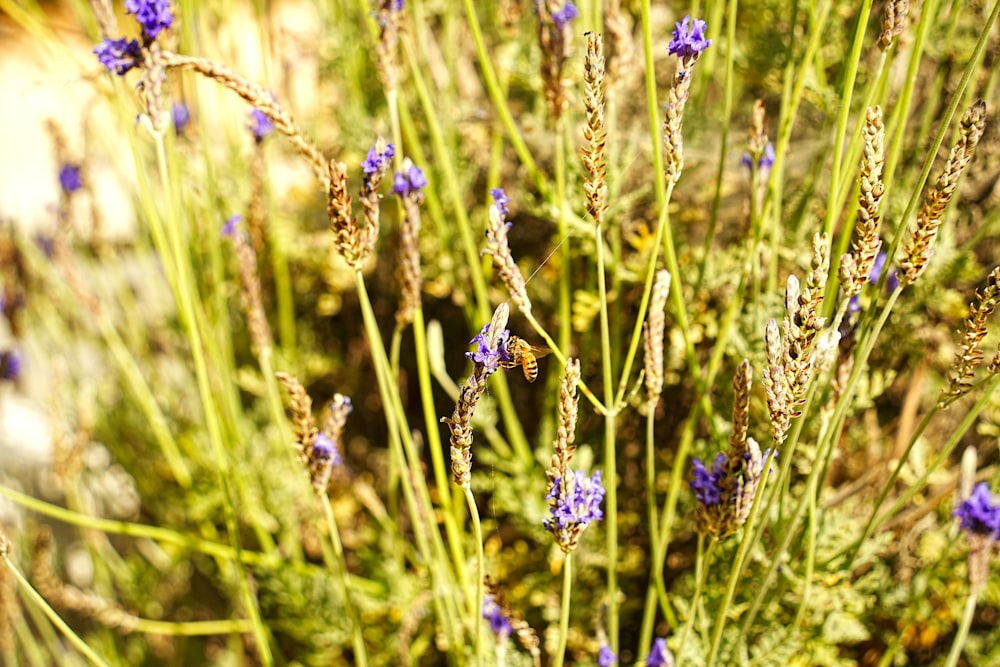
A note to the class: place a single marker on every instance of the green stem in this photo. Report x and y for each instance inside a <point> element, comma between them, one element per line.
<point>360,653</point>
<point>175,254</point>
<point>29,591</point>
<point>567,596</point>
<point>963,631</point>
<point>477,608</point>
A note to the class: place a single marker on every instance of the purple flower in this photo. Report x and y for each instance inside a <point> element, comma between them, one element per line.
<point>891,281</point>
<point>706,485</point>
<point>606,657</point>
<point>229,228</point>
<point>69,178</point>
<point>119,55</point>
<point>486,355</point>
<point>764,163</point>
<point>182,116</point>
<point>660,655</point>
<point>10,365</point>
<point>152,15</point>
<point>492,612</point>
<point>409,183</point>
<point>260,125</point>
<point>579,508</point>
<point>563,16</point>
<point>689,40</point>
<point>979,514</point>
<point>377,161</point>
<point>501,200</point>
<point>325,449</point>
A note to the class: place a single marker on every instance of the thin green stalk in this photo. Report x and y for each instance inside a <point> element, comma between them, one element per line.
<point>477,609</point>
<point>29,592</point>
<point>565,249</point>
<point>728,87</point>
<point>963,631</point>
<point>701,564</point>
<point>401,443</point>
<point>847,87</point>
<point>498,99</point>
<point>567,596</point>
<point>652,105</point>
<point>176,254</point>
<point>357,637</point>
<point>610,448</point>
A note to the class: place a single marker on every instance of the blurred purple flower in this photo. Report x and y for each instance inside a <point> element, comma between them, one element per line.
<point>606,657</point>
<point>706,485</point>
<point>229,228</point>
<point>409,183</point>
<point>501,200</point>
<point>152,15</point>
<point>581,507</point>
<point>182,116</point>
<point>499,623</point>
<point>10,365</point>
<point>660,655</point>
<point>689,40</point>
<point>978,513</point>
<point>260,125</point>
<point>486,355</point>
<point>377,161</point>
<point>325,448</point>
<point>69,178</point>
<point>563,16</point>
<point>119,55</point>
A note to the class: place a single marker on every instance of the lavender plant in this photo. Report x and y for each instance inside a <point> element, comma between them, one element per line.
<point>774,482</point>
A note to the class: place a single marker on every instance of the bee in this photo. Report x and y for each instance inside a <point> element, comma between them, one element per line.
<point>525,355</point>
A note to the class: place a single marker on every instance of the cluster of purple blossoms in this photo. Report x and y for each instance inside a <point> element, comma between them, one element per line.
<point>564,15</point>
<point>707,486</point>
<point>978,513</point>
<point>260,125</point>
<point>325,450</point>
<point>70,179</point>
<point>488,356</point>
<point>660,655</point>
<point>606,657</point>
<point>575,510</point>
<point>409,183</point>
<point>502,202</point>
<point>499,623</point>
<point>119,55</point>
<point>153,15</point>
<point>689,40</point>
<point>376,161</point>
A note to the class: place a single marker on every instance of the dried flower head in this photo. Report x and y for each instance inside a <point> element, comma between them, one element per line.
<point>970,355</point>
<point>594,132</point>
<point>408,266</point>
<point>894,22</point>
<point>554,34</point>
<point>653,333</point>
<point>250,289</point>
<point>920,247</point>
<point>503,260</point>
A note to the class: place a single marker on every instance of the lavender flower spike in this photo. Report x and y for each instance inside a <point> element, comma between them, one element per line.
<point>660,655</point>
<point>375,161</point>
<point>260,125</point>
<point>410,182</point>
<point>689,40</point>
<point>499,623</point>
<point>606,657</point>
<point>119,55</point>
<point>575,503</point>
<point>153,15</point>
<point>69,178</point>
